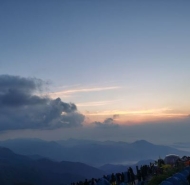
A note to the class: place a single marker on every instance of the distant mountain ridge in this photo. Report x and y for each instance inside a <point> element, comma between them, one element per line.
<point>16,168</point>
<point>91,152</point>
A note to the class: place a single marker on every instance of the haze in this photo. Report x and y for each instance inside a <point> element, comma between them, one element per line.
<point>124,66</point>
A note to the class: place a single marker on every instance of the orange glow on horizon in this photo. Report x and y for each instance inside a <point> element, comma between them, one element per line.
<point>135,117</point>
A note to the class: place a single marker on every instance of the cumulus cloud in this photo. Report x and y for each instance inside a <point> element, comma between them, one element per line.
<point>107,123</point>
<point>22,108</point>
<point>115,116</point>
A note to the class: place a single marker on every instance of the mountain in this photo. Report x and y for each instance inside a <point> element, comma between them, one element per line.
<point>94,153</point>
<point>113,168</point>
<point>16,168</point>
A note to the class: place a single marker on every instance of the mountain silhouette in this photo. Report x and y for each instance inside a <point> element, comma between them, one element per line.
<point>90,152</point>
<point>17,169</point>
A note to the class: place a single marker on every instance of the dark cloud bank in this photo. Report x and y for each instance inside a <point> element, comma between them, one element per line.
<point>21,108</point>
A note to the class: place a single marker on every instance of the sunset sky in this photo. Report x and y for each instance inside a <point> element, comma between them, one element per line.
<point>120,62</point>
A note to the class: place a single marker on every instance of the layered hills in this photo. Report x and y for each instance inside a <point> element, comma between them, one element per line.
<point>95,153</point>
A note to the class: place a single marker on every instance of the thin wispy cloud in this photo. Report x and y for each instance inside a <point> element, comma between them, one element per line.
<point>96,103</point>
<point>68,86</point>
<point>70,92</point>
<point>152,112</point>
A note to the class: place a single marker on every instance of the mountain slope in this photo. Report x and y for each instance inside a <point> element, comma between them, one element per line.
<point>16,168</point>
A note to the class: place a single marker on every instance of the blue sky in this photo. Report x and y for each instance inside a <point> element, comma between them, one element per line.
<point>129,58</point>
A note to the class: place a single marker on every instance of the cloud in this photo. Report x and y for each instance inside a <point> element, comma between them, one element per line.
<point>21,108</point>
<point>107,123</point>
<point>67,93</point>
<point>115,116</point>
<point>97,103</point>
<point>161,112</point>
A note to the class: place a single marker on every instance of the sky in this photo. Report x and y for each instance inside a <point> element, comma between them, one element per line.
<point>72,69</point>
